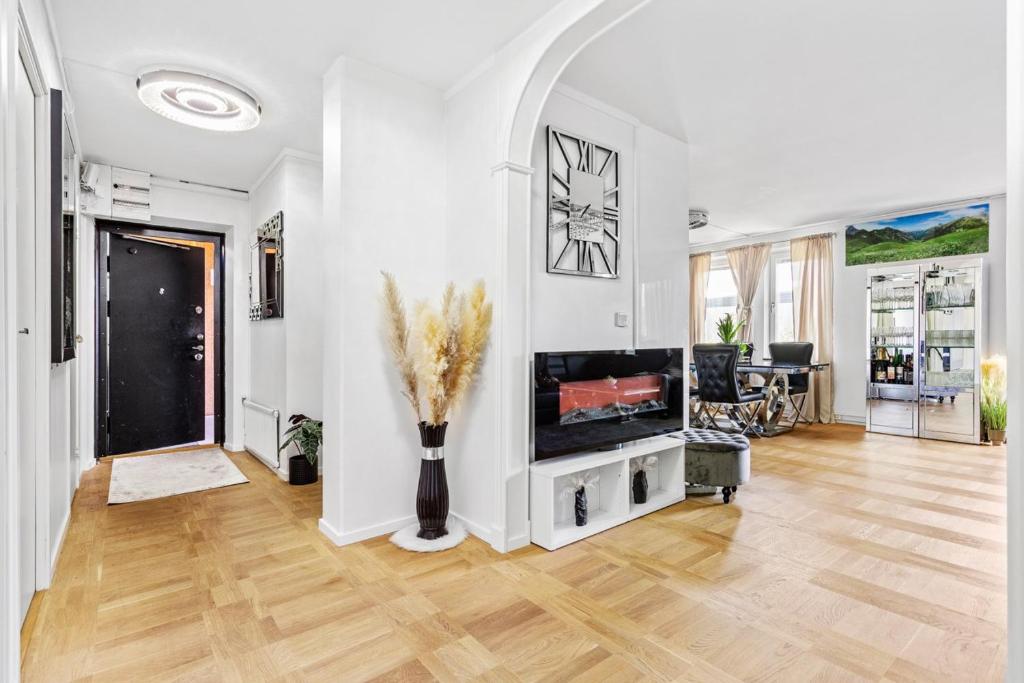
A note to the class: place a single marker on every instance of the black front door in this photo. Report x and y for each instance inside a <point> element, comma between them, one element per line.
<point>155,368</point>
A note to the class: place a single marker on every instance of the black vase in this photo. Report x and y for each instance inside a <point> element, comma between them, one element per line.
<point>432,494</point>
<point>581,506</point>
<point>301,471</point>
<point>640,487</point>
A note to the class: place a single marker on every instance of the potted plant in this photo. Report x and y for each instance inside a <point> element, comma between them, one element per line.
<point>437,356</point>
<point>307,434</point>
<point>729,333</point>
<point>994,415</point>
<point>993,398</point>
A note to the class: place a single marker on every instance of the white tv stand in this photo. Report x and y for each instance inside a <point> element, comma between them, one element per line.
<point>610,503</point>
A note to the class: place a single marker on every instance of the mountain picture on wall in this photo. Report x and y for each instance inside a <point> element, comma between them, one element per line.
<point>951,232</point>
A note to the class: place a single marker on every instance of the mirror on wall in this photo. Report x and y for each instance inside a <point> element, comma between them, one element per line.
<point>266,270</point>
<point>64,180</point>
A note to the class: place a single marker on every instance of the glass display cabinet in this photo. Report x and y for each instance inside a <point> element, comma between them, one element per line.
<point>924,350</point>
<point>893,332</point>
<point>950,393</point>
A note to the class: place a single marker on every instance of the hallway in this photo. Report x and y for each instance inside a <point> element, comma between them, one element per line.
<point>847,557</point>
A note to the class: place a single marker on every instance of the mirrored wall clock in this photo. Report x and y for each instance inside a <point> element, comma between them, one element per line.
<point>583,206</point>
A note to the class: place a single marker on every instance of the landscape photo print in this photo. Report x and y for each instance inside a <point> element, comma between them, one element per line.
<point>930,234</point>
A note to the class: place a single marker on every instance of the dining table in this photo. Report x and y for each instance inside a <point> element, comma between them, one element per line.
<point>776,377</point>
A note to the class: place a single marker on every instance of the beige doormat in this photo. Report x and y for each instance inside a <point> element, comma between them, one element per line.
<point>146,477</point>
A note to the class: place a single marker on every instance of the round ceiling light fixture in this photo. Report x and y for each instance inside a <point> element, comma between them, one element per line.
<point>198,100</point>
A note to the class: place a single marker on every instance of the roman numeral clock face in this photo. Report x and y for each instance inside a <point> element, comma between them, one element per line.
<point>583,207</point>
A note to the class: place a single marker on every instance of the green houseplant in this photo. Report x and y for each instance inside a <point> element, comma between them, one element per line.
<point>993,398</point>
<point>307,434</point>
<point>993,413</point>
<point>729,333</point>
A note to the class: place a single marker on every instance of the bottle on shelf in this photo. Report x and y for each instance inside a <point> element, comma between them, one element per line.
<point>879,364</point>
<point>898,367</point>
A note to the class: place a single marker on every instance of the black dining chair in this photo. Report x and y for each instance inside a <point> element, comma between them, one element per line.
<point>718,387</point>
<point>794,353</point>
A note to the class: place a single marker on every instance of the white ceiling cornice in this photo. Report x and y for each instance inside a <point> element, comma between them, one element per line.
<point>284,154</point>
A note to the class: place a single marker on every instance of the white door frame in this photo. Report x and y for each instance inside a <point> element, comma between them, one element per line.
<point>41,329</point>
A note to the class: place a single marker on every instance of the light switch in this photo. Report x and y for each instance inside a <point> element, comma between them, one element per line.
<point>621,320</point>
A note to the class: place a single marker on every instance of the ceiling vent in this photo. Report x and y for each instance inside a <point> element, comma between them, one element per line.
<point>698,218</point>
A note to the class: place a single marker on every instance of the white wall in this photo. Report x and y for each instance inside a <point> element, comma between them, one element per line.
<point>472,252</point>
<point>54,457</point>
<point>267,355</point>
<point>384,208</point>
<point>850,333</point>
<point>572,313</point>
<point>286,356</point>
<point>426,238</point>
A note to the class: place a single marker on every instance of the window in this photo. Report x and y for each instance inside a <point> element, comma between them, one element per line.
<point>779,312</point>
<point>721,297</point>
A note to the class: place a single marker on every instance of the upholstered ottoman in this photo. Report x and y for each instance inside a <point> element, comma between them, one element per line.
<point>716,458</point>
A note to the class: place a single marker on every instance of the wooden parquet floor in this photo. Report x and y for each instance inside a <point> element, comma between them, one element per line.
<point>847,557</point>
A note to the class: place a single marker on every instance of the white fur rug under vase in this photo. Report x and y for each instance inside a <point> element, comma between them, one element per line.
<point>146,477</point>
<point>408,540</point>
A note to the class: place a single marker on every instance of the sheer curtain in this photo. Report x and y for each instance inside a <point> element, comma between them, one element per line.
<point>811,261</point>
<point>747,265</point>
<point>700,268</point>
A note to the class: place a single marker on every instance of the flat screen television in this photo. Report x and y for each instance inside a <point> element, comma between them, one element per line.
<point>585,400</point>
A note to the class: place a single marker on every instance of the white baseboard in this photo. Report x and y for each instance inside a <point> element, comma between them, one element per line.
<point>55,551</point>
<point>850,420</point>
<point>348,537</point>
<point>517,542</point>
<point>478,530</point>
<point>233,447</point>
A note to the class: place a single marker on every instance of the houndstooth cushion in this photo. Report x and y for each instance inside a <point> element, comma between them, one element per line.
<point>712,441</point>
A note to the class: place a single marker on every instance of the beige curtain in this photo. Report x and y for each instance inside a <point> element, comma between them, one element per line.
<point>747,265</point>
<point>700,269</point>
<point>811,261</point>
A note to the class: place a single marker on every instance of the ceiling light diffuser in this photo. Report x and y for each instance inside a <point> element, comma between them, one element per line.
<point>198,100</point>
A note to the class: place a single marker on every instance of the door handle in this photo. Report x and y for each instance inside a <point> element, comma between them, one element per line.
<point>23,330</point>
<point>197,347</point>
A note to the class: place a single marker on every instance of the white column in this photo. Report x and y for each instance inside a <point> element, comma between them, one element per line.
<point>512,347</point>
<point>1015,336</point>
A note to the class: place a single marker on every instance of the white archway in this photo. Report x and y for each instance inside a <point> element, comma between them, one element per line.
<point>522,94</point>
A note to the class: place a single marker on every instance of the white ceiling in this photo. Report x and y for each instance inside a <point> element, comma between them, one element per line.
<point>801,111</point>
<point>278,50</point>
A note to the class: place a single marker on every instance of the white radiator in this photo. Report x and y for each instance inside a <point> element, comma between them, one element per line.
<point>261,426</point>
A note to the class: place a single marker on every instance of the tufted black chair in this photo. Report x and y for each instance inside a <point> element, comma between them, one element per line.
<point>719,387</point>
<point>795,353</point>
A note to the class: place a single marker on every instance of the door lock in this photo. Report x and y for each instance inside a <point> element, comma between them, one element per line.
<point>198,356</point>
<point>199,310</point>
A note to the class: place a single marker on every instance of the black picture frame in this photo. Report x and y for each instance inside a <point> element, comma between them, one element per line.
<point>62,242</point>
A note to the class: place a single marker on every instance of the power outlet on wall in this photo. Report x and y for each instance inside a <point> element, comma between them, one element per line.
<point>621,320</point>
